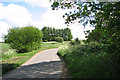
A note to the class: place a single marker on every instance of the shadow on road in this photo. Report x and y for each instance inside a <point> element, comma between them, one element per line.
<point>52,69</point>
<point>6,67</point>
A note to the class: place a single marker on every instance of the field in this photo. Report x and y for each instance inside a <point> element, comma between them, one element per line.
<point>17,59</point>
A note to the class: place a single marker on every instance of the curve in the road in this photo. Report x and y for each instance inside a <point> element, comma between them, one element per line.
<point>45,64</point>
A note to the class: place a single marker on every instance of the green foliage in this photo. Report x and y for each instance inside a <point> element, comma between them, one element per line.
<point>84,41</point>
<point>7,67</point>
<point>14,62</point>
<point>92,61</point>
<point>62,50</point>
<point>104,17</point>
<point>8,54</point>
<point>55,4</point>
<point>50,34</point>
<point>59,39</point>
<point>24,39</point>
<point>4,47</point>
<point>6,51</point>
<point>45,41</point>
<point>75,42</point>
<point>99,58</point>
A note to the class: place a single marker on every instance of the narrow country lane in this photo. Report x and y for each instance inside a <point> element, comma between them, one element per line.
<point>45,64</point>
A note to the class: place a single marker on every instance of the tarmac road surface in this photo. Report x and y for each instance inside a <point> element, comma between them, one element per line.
<point>45,64</point>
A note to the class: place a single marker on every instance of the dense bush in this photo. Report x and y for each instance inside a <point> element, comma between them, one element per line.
<point>45,40</point>
<point>91,61</point>
<point>59,39</point>
<point>62,50</point>
<point>75,42</point>
<point>72,42</point>
<point>4,47</point>
<point>8,67</point>
<point>24,39</point>
<point>103,58</point>
<point>8,54</point>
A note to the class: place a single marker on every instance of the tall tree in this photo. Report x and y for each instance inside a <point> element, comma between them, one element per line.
<point>45,33</point>
<point>104,16</point>
<point>49,33</point>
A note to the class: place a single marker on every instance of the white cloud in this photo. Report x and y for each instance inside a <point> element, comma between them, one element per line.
<point>19,16</point>
<point>39,3</point>
<point>78,30</point>
<point>14,14</point>
<point>3,29</point>
<point>54,19</point>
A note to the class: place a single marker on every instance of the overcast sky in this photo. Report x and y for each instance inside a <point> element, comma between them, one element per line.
<point>37,13</point>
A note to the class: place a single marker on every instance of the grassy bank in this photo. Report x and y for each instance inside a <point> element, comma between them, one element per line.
<point>91,61</point>
<point>10,63</point>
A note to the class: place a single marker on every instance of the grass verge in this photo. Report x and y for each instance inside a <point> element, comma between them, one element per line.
<point>90,61</point>
<point>11,63</point>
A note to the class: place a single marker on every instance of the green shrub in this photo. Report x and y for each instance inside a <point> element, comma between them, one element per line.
<point>91,61</point>
<point>8,54</point>
<point>72,42</point>
<point>4,47</point>
<point>59,39</point>
<point>62,50</point>
<point>8,67</point>
<point>45,41</point>
<point>75,42</point>
<point>24,39</point>
<point>84,41</point>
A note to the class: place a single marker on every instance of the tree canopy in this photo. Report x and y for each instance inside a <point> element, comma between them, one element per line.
<point>102,47</point>
<point>49,34</point>
<point>24,39</point>
<point>104,16</point>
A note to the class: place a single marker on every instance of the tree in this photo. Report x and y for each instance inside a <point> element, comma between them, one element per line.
<point>45,33</point>
<point>59,39</point>
<point>24,39</point>
<point>103,16</point>
<point>49,34</point>
<point>77,41</point>
<point>68,34</point>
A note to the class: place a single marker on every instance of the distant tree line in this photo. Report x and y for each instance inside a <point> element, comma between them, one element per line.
<point>49,34</point>
<point>29,38</point>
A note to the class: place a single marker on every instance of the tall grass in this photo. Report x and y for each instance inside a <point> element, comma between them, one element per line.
<point>8,54</point>
<point>4,47</point>
<point>91,61</point>
<point>6,51</point>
